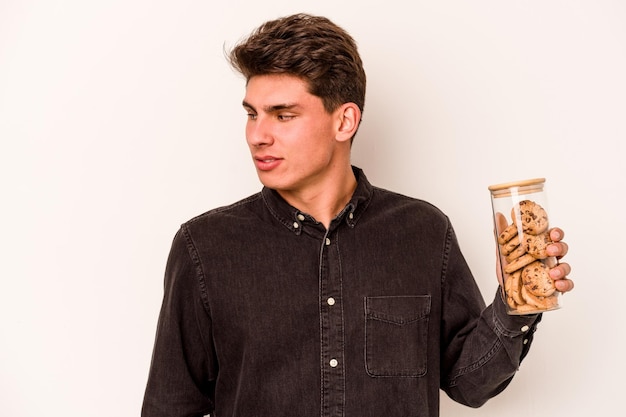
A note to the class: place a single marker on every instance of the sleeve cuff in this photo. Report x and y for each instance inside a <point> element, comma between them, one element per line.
<point>512,325</point>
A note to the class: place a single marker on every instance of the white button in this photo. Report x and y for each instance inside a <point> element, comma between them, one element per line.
<point>333,363</point>
<point>327,241</point>
<point>351,215</point>
<point>331,301</point>
<point>295,225</point>
<point>301,217</point>
<point>525,329</point>
<point>525,341</point>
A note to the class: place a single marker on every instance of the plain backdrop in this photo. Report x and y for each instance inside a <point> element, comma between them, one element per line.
<point>121,119</point>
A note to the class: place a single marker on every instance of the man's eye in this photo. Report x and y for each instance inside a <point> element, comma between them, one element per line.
<point>285,117</point>
<point>251,116</point>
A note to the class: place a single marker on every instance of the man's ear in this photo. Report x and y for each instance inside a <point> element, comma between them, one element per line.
<point>349,117</point>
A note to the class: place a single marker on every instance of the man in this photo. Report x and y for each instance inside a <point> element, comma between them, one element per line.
<point>322,294</point>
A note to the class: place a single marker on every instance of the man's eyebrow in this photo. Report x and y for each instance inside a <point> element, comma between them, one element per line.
<point>273,108</point>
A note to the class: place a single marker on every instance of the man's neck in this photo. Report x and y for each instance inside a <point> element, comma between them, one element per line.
<point>326,201</point>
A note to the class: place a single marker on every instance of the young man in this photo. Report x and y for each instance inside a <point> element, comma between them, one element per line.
<point>323,295</point>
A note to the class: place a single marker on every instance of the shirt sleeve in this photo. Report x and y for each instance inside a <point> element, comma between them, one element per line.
<point>482,347</point>
<point>183,367</point>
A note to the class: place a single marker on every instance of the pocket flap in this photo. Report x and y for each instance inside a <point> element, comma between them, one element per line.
<point>397,309</point>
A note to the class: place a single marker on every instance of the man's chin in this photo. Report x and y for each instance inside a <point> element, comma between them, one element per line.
<point>268,181</point>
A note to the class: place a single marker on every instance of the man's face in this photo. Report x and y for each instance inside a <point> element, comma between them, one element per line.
<point>290,135</point>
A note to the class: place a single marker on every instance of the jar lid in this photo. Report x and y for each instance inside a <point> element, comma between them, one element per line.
<point>522,187</point>
<point>523,183</point>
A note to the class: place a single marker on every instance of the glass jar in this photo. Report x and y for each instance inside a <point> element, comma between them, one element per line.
<point>520,214</point>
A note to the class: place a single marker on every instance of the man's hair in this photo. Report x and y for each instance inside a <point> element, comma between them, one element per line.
<point>309,47</point>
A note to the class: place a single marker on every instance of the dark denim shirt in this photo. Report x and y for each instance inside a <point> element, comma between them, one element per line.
<point>266,313</point>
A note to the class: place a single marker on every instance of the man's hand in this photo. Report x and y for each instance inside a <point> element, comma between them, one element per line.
<point>559,273</point>
<point>558,249</point>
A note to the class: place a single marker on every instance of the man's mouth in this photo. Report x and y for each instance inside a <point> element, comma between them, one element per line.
<point>267,163</point>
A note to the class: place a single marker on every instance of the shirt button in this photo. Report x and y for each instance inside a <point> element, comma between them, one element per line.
<point>333,363</point>
<point>327,241</point>
<point>295,225</point>
<point>525,341</point>
<point>331,301</point>
<point>301,217</point>
<point>350,215</point>
<point>525,329</point>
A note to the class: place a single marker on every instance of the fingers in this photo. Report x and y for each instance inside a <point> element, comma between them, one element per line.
<point>564,285</point>
<point>557,249</point>
<point>501,223</point>
<point>560,271</point>
<point>556,234</point>
<point>559,274</point>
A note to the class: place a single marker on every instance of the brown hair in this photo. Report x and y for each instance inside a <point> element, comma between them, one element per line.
<point>309,47</point>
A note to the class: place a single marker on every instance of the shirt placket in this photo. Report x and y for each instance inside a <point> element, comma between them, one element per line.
<point>332,329</point>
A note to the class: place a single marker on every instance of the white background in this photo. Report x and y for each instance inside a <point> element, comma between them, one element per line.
<point>121,119</point>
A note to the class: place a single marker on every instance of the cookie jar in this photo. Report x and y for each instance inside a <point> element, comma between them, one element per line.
<point>521,218</point>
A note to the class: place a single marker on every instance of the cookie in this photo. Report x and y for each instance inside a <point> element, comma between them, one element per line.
<point>536,245</point>
<point>540,303</point>
<point>552,301</point>
<point>511,303</point>
<point>533,217</point>
<point>517,252</point>
<point>507,234</point>
<point>519,263</point>
<point>531,299</point>
<point>536,279</point>
<point>526,308</point>
<point>509,246</point>
<point>513,287</point>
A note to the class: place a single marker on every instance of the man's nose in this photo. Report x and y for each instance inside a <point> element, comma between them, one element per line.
<point>258,132</point>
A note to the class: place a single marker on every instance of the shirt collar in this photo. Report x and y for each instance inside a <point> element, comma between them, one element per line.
<point>298,221</point>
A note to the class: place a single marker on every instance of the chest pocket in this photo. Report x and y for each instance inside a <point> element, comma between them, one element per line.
<point>396,333</point>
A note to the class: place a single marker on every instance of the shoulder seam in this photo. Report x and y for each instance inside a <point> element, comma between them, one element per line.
<point>195,258</point>
<point>222,209</point>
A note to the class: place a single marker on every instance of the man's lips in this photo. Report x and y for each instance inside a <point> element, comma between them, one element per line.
<point>267,162</point>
